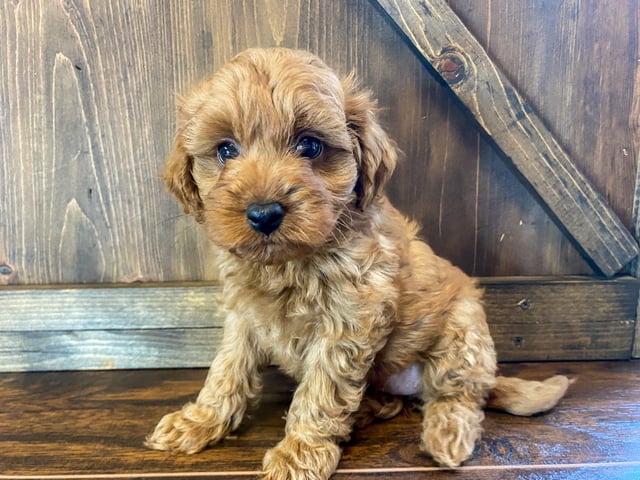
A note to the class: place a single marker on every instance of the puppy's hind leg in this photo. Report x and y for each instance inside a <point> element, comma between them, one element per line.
<point>458,374</point>
<point>377,405</point>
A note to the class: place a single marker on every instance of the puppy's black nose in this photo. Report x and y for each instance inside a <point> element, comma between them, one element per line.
<point>265,217</point>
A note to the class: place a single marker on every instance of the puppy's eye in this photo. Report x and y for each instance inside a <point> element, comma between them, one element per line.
<point>309,147</point>
<point>227,150</point>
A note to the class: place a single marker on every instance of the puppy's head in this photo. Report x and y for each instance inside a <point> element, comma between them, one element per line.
<point>273,150</point>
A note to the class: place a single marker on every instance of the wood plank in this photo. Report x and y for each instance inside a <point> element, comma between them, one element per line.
<point>561,319</point>
<point>445,43</point>
<point>635,265</point>
<point>155,326</point>
<point>52,424</point>
<point>108,349</point>
<point>579,471</point>
<point>107,307</point>
<point>634,126</point>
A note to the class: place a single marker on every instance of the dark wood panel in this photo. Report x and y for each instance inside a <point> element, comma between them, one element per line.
<point>55,423</point>
<point>87,93</point>
<point>616,471</point>
<point>634,124</point>
<point>561,319</point>
<point>576,63</point>
<point>452,51</point>
<point>624,471</point>
<point>88,96</point>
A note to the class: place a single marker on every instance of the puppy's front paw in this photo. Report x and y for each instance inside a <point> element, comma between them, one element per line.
<point>450,431</point>
<point>293,459</point>
<point>188,430</point>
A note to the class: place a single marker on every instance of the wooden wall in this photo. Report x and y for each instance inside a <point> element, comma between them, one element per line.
<point>577,62</point>
<point>87,91</point>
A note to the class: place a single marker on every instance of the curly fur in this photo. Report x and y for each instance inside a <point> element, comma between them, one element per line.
<point>343,295</point>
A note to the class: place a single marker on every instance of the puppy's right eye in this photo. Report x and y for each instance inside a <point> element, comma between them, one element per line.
<point>227,150</point>
<point>309,147</point>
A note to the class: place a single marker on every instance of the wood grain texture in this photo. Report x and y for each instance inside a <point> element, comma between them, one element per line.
<point>446,44</point>
<point>108,349</point>
<point>103,328</point>
<point>634,126</point>
<point>80,150</point>
<point>554,52</point>
<point>87,92</point>
<point>165,326</point>
<point>560,319</point>
<point>56,423</point>
<point>109,308</point>
<point>576,63</point>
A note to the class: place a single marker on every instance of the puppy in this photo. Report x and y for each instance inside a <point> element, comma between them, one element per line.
<point>284,164</point>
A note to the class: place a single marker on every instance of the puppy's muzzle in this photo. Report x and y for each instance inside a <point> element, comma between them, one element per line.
<point>265,217</point>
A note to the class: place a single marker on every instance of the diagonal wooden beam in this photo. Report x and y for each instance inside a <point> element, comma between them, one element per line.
<point>444,42</point>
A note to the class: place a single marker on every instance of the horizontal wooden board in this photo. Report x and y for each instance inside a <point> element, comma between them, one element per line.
<point>574,471</point>
<point>104,307</point>
<point>108,349</point>
<point>562,319</point>
<point>179,325</point>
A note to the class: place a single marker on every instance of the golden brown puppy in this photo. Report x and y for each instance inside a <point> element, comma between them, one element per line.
<point>284,164</point>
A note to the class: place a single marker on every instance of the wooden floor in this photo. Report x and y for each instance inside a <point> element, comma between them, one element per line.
<point>91,425</point>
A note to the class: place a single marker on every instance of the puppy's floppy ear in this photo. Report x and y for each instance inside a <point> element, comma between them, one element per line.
<point>374,151</point>
<point>177,175</point>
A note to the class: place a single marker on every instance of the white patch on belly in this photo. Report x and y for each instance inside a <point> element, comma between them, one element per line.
<point>405,382</point>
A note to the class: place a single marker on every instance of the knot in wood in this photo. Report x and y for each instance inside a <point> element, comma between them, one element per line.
<point>5,269</point>
<point>451,65</point>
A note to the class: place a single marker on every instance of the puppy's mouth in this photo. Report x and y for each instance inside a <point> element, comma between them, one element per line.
<point>271,232</point>
<point>272,249</point>
<point>268,252</point>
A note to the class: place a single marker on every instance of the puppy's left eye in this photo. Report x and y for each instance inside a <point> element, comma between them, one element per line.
<point>227,150</point>
<point>309,147</point>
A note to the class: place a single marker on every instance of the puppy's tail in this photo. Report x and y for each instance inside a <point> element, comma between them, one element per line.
<point>525,397</point>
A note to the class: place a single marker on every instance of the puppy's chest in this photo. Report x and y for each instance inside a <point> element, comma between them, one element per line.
<point>288,343</point>
<point>294,308</point>
<point>292,321</point>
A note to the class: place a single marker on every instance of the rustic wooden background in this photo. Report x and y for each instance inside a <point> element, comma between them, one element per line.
<point>87,90</point>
